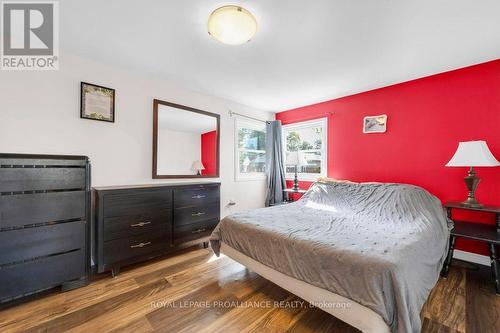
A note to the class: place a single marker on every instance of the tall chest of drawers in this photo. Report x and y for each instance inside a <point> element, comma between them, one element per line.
<point>136,223</point>
<point>44,223</point>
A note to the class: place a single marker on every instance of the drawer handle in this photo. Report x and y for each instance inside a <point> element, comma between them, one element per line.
<point>198,196</point>
<point>198,231</point>
<point>140,245</point>
<point>197,214</point>
<point>141,224</point>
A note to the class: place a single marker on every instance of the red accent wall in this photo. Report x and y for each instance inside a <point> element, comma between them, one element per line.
<point>427,118</point>
<point>209,152</point>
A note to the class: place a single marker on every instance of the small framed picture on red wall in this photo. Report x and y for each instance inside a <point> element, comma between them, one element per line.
<point>375,124</point>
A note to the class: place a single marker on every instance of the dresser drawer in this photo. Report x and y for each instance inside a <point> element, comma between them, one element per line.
<point>136,203</point>
<point>131,225</point>
<point>31,179</point>
<point>195,196</point>
<point>190,215</point>
<point>193,231</point>
<point>25,209</point>
<point>118,250</point>
<point>22,244</point>
<point>31,276</point>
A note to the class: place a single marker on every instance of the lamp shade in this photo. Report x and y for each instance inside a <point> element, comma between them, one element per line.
<point>197,166</point>
<point>473,154</point>
<point>292,158</point>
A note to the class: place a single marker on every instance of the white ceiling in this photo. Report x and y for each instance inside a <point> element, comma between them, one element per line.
<point>304,51</point>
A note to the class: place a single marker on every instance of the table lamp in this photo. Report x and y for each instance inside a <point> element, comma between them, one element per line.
<point>197,166</point>
<point>472,154</point>
<point>292,158</point>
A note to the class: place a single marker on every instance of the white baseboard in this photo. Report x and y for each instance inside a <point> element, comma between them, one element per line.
<point>472,257</point>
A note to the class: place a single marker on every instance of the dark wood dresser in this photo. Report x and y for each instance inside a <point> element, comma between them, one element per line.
<point>136,223</point>
<point>44,229</point>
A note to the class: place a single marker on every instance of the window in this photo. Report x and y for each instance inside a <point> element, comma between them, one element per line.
<point>250,162</point>
<point>305,149</point>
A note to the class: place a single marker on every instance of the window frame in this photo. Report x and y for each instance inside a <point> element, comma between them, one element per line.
<point>322,122</point>
<point>254,125</point>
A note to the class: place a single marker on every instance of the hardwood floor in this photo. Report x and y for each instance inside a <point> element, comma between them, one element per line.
<point>196,292</point>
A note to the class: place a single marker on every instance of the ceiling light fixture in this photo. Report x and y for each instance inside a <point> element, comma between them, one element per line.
<point>232,25</point>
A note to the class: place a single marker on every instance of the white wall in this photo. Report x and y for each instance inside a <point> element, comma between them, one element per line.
<point>177,151</point>
<point>39,113</point>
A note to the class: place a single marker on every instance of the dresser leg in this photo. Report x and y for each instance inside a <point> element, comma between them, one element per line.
<point>494,267</point>
<point>205,245</point>
<point>115,271</point>
<point>447,262</point>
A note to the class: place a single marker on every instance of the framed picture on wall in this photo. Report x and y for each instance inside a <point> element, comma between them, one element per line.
<point>375,124</point>
<point>97,103</point>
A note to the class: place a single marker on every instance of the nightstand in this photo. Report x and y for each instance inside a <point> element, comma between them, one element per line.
<point>279,203</point>
<point>477,231</point>
<point>289,191</point>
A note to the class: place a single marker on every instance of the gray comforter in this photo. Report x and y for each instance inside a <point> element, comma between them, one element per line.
<point>381,245</point>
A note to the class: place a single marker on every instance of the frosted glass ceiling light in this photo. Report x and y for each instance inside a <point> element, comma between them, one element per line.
<point>232,25</point>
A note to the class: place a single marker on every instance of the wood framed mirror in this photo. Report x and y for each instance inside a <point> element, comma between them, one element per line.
<point>186,142</point>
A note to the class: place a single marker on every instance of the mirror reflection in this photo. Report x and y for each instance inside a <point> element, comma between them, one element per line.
<point>186,142</point>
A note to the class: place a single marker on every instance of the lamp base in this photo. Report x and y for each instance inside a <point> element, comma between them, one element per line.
<point>295,181</point>
<point>471,203</point>
<point>471,181</point>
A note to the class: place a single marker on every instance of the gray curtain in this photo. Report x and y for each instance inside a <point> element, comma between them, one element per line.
<point>275,170</point>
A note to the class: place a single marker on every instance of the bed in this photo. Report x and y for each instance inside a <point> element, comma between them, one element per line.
<point>368,253</point>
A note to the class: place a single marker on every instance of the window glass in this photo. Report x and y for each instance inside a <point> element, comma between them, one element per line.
<point>251,150</point>
<point>305,149</point>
